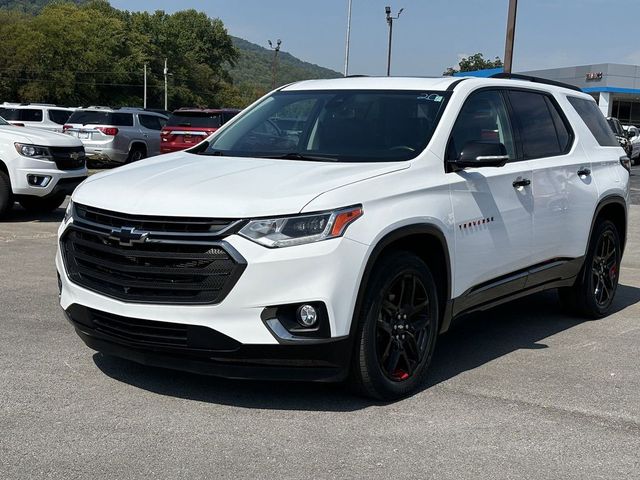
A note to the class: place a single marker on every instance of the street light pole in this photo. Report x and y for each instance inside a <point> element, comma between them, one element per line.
<point>346,53</point>
<point>145,85</point>
<point>511,35</point>
<point>274,66</point>
<point>390,19</point>
<point>166,86</point>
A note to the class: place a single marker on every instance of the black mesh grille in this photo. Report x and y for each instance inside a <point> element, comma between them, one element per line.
<point>178,271</point>
<point>140,331</point>
<point>68,158</point>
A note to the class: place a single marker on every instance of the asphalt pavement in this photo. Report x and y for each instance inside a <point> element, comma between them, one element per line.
<point>521,391</point>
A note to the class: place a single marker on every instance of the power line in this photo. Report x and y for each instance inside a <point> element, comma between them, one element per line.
<point>26,79</point>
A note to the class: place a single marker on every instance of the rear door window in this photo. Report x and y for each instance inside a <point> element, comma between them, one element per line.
<point>31,114</point>
<point>534,114</point>
<point>595,121</point>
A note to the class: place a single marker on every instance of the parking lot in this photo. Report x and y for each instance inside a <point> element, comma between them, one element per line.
<point>521,391</point>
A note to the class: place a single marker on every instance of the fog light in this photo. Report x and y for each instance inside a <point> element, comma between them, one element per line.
<point>307,316</point>
<point>38,180</point>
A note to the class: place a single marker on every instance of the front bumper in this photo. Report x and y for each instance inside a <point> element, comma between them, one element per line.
<point>327,272</point>
<point>62,181</point>
<point>210,353</point>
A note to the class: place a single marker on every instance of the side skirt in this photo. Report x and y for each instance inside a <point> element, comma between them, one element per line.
<point>555,273</point>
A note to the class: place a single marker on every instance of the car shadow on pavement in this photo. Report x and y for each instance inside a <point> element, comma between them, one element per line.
<point>472,342</point>
<point>19,215</point>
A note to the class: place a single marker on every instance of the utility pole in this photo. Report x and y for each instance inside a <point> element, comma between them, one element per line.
<point>511,36</point>
<point>145,86</point>
<point>166,86</point>
<point>274,66</point>
<point>390,19</point>
<point>346,54</point>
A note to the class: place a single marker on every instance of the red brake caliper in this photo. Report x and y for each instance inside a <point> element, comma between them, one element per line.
<point>400,375</point>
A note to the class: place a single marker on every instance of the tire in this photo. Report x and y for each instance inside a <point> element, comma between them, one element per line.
<point>6,195</point>
<point>136,154</point>
<point>42,205</point>
<point>593,293</point>
<point>393,345</point>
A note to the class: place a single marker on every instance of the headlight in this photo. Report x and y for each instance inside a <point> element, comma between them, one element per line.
<point>68,212</point>
<point>300,229</point>
<point>33,151</point>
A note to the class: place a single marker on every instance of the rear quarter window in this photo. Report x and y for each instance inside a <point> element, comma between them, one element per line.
<point>59,116</point>
<point>595,121</point>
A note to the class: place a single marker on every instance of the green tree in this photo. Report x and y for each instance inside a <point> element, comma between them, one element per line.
<point>473,63</point>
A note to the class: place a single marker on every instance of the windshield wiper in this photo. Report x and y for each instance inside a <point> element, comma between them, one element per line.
<point>299,156</point>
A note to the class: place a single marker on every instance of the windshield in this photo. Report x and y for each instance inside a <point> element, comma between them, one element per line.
<point>195,119</point>
<point>345,126</point>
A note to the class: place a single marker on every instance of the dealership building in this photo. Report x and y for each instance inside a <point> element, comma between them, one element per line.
<point>615,87</point>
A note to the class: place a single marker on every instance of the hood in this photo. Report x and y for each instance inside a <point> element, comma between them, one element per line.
<point>189,185</point>
<point>37,137</point>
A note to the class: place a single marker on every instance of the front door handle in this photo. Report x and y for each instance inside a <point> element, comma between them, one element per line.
<point>521,182</point>
<point>584,172</point>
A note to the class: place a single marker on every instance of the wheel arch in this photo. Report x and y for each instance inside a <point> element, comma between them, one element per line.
<point>614,208</point>
<point>138,143</point>
<point>4,168</point>
<point>428,242</point>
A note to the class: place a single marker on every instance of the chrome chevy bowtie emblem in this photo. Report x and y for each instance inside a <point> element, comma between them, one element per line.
<point>74,155</point>
<point>127,236</point>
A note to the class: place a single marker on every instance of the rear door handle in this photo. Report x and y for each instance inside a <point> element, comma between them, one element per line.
<point>521,182</point>
<point>584,172</point>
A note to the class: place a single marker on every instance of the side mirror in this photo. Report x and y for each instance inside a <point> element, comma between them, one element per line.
<point>482,154</point>
<point>631,134</point>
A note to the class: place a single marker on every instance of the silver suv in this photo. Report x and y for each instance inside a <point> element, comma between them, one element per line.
<point>120,135</point>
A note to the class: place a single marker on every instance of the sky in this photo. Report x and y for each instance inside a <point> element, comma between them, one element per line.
<point>430,35</point>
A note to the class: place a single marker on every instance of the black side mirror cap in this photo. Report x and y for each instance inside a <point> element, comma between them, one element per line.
<point>481,154</point>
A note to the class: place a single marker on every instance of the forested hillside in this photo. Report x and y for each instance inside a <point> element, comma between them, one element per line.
<point>87,52</point>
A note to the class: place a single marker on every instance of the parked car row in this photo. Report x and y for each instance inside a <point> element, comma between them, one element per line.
<point>36,115</point>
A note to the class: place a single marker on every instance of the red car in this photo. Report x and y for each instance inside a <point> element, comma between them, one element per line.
<point>189,126</point>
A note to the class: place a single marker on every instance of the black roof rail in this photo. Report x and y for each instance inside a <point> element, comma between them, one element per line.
<point>517,76</point>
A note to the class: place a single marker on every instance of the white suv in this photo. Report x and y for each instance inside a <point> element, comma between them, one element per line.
<point>36,115</point>
<point>341,248</point>
<point>38,168</point>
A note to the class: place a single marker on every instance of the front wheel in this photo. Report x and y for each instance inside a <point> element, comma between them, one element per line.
<point>397,328</point>
<point>42,205</point>
<point>6,196</point>
<point>593,293</point>
<point>136,154</point>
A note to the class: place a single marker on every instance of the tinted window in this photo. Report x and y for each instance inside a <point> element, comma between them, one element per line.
<point>565,136</point>
<point>96,117</point>
<point>339,125</point>
<point>483,118</point>
<point>595,121</point>
<point>616,128</point>
<point>151,122</point>
<point>195,119</point>
<point>226,116</point>
<point>537,128</point>
<point>22,114</point>
<point>59,116</point>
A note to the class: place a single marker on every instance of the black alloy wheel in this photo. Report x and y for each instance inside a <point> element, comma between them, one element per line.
<point>604,269</point>
<point>403,327</point>
<point>593,293</point>
<point>397,327</point>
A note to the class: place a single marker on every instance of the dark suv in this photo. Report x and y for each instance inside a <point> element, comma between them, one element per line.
<point>189,126</point>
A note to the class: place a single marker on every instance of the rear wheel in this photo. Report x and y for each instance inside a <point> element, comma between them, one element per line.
<point>6,196</point>
<point>136,153</point>
<point>42,205</point>
<point>593,293</point>
<point>397,328</point>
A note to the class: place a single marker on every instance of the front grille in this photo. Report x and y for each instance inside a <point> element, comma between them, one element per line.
<point>68,158</point>
<point>180,269</point>
<point>209,226</point>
